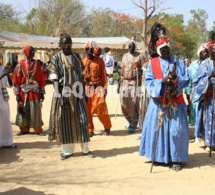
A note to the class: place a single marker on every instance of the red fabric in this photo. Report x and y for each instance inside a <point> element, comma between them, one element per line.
<point>96,51</point>
<point>162,41</point>
<point>27,50</point>
<point>88,44</point>
<point>156,69</point>
<point>211,43</point>
<point>208,94</point>
<point>19,78</point>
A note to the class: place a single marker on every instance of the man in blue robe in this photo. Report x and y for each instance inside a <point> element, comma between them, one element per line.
<point>203,94</point>
<point>203,54</point>
<point>173,137</point>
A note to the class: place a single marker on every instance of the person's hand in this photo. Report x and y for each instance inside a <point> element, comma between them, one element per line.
<point>169,80</point>
<point>18,98</point>
<point>21,109</point>
<point>212,74</point>
<point>7,71</point>
<point>42,97</point>
<point>105,93</point>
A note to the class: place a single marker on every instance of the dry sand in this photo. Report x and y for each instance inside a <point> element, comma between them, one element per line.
<point>35,168</point>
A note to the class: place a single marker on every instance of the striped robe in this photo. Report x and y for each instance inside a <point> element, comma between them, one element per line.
<point>68,125</point>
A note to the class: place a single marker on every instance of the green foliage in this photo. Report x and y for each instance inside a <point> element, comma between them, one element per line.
<point>107,23</point>
<point>6,11</point>
<point>52,17</point>
<point>197,24</point>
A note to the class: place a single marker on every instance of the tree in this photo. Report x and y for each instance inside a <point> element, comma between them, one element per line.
<point>149,8</point>
<point>52,17</point>
<point>107,23</point>
<point>197,25</point>
<point>8,18</point>
<point>7,12</point>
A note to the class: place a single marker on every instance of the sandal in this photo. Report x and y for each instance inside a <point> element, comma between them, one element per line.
<point>42,133</point>
<point>65,156</point>
<point>176,167</point>
<point>22,133</point>
<point>11,146</point>
<point>89,154</point>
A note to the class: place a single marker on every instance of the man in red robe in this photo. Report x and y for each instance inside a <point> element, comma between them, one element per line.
<point>29,89</point>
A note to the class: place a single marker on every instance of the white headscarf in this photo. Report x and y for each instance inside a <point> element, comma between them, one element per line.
<point>202,47</point>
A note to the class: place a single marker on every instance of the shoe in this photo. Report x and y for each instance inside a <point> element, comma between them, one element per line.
<point>11,146</point>
<point>176,167</point>
<point>106,132</point>
<point>207,149</point>
<point>22,133</point>
<point>89,154</point>
<point>91,134</point>
<point>42,133</point>
<point>65,156</point>
<point>131,130</point>
<point>198,140</point>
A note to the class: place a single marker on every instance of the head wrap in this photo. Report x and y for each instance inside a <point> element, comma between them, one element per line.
<point>164,41</point>
<point>211,43</point>
<point>91,44</point>
<point>202,47</point>
<point>65,36</point>
<point>96,51</point>
<point>27,50</point>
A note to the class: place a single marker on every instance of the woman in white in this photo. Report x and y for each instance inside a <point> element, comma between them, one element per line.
<point>6,136</point>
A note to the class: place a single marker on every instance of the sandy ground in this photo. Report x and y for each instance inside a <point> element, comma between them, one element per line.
<point>35,168</point>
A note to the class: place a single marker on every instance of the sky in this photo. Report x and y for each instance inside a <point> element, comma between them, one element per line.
<point>175,7</point>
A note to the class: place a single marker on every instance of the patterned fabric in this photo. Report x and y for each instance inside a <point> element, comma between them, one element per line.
<point>172,145</point>
<point>28,82</point>
<point>130,87</point>
<point>188,90</point>
<point>5,94</point>
<point>68,125</point>
<point>202,95</point>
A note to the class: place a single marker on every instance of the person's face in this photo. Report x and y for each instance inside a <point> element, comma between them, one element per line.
<point>204,54</point>
<point>66,46</point>
<point>31,52</point>
<point>89,51</point>
<point>212,52</point>
<point>165,52</point>
<point>131,47</point>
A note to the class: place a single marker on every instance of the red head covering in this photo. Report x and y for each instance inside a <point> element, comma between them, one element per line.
<point>164,41</point>
<point>28,50</point>
<point>96,51</point>
<point>88,44</point>
<point>211,43</point>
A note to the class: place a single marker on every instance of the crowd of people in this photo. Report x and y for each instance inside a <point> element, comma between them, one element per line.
<point>81,87</point>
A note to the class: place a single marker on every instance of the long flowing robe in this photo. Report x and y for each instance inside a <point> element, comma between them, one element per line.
<point>192,72</point>
<point>6,136</point>
<point>29,74</point>
<point>68,125</point>
<point>203,95</point>
<point>172,145</point>
<point>130,89</point>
